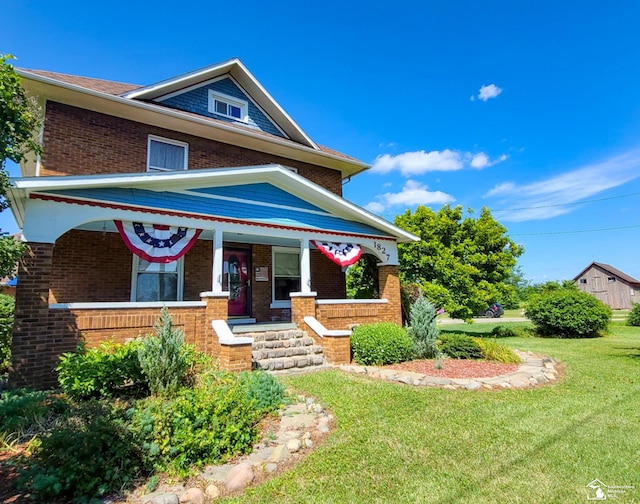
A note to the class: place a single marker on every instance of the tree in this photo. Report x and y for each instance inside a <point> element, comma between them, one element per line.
<point>461,263</point>
<point>362,278</point>
<point>20,121</point>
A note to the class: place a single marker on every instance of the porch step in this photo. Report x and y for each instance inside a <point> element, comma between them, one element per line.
<point>285,350</point>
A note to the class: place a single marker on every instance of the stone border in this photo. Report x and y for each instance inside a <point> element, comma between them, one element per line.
<point>301,425</point>
<point>533,371</point>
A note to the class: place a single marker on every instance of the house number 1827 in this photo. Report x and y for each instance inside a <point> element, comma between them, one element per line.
<point>381,248</point>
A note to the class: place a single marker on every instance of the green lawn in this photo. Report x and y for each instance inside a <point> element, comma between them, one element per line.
<point>395,443</point>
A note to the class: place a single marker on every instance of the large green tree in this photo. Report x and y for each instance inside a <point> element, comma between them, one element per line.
<point>20,121</point>
<point>461,263</point>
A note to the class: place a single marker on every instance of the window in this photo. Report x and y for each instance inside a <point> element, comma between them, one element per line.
<point>583,280</point>
<point>156,281</point>
<point>286,275</point>
<point>228,106</point>
<point>611,279</point>
<point>165,155</point>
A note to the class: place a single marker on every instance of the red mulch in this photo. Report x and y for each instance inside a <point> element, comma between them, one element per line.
<point>457,368</point>
<point>8,475</point>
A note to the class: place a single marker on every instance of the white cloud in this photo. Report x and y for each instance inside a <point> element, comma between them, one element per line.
<point>545,199</point>
<point>413,193</point>
<point>419,162</point>
<point>488,92</point>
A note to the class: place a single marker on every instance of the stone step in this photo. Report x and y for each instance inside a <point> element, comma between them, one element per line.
<point>289,363</point>
<point>278,353</point>
<point>285,343</point>
<point>276,335</point>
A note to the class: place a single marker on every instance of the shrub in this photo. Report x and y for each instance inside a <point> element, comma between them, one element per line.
<point>634,315</point>
<point>206,424</point>
<point>163,357</point>
<point>506,332</point>
<point>379,344</point>
<point>104,371</point>
<point>263,391</point>
<point>459,346</point>
<point>25,413</point>
<point>7,305</point>
<point>566,313</point>
<point>91,454</point>
<point>493,350</point>
<point>423,329</point>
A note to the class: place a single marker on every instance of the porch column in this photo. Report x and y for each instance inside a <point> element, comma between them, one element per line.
<point>389,289</point>
<point>305,266</point>
<point>218,262</point>
<point>33,351</point>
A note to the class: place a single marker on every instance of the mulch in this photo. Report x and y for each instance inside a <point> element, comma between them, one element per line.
<point>456,368</point>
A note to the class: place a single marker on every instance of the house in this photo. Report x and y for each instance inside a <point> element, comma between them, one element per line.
<point>610,285</point>
<point>199,193</point>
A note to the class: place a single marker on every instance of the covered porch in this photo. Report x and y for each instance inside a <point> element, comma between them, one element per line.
<point>254,257</point>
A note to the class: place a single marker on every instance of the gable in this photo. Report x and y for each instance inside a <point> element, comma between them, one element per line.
<point>198,100</point>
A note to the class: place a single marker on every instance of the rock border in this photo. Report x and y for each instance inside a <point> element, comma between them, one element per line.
<point>301,425</point>
<point>533,371</point>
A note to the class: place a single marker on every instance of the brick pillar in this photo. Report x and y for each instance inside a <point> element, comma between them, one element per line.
<point>337,349</point>
<point>303,304</point>
<point>33,357</point>
<point>389,288</point>
<point>217,309</point>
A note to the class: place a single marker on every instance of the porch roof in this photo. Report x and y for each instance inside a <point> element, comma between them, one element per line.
<point>269,195</point>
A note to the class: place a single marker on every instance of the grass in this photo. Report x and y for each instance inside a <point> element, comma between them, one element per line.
<point>395,443</point>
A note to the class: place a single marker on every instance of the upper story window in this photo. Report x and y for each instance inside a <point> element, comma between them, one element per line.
<point>228,106</point>
<point>611,279</point>
<point>164,154</point>
<point>583,280</point>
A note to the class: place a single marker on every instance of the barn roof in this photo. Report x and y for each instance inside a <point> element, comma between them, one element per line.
<point>610,269</point>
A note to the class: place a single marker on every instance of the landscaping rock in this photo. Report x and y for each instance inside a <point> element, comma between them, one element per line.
<point>239,477</point>
<point>293,445</point>
<point>280,454</point>
<point>212,491</point>
<point>192,496</point>
<point>168,498</point>
<point>473,385</point>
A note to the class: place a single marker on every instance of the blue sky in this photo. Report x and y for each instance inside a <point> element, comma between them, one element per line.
<point>531,110</point>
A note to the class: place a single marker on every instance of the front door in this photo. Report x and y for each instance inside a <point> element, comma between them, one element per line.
<point>236,281</point>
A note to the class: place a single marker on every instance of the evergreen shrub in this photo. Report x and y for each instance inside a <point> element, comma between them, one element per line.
<point>567,313</point>
<point>423,329</point>
<point>459,346</point>
<point>380,344</point>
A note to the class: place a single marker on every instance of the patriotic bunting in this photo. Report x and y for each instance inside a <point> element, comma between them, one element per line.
<point>343,254</point>
<point>155,243</point>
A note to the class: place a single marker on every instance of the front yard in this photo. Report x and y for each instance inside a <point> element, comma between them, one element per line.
<point>396,443</point>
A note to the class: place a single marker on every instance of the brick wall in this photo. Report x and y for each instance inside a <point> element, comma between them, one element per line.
<point>327,278</point>
<point>82,142</point>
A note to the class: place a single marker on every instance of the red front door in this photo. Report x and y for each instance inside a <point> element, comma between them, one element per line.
<point>236,281</point>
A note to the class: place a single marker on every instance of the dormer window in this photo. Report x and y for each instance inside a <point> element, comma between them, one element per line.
<point>228,106</point>
<point>164,154</point>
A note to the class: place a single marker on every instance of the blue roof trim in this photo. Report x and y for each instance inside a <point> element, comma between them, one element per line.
<point>190,203</point>
<point>263,192</point>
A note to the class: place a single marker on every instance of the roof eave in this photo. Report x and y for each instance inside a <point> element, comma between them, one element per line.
<point>164,117</point>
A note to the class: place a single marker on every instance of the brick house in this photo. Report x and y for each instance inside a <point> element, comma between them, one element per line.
<point>199,193</point>
<point>610,285</point>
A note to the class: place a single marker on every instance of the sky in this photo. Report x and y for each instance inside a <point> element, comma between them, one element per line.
<point>530,109</point>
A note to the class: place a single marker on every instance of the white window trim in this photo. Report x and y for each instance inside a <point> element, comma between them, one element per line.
<point>167,141</point>
<point>281,303</point>
<point>134,277</point>
<point>243,105</point>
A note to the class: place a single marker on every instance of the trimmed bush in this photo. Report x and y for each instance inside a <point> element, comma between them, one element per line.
<point>423,329</point>
<point>566,313</point>
<point>164,359</point>
<point>90,454</point>
<point>634,315</point>
<point>7,305</point>
<point>380,344</point>
<point>493,350</point>
<point>501,331</point>
<point>459,346</point>
<point>109,370</point>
